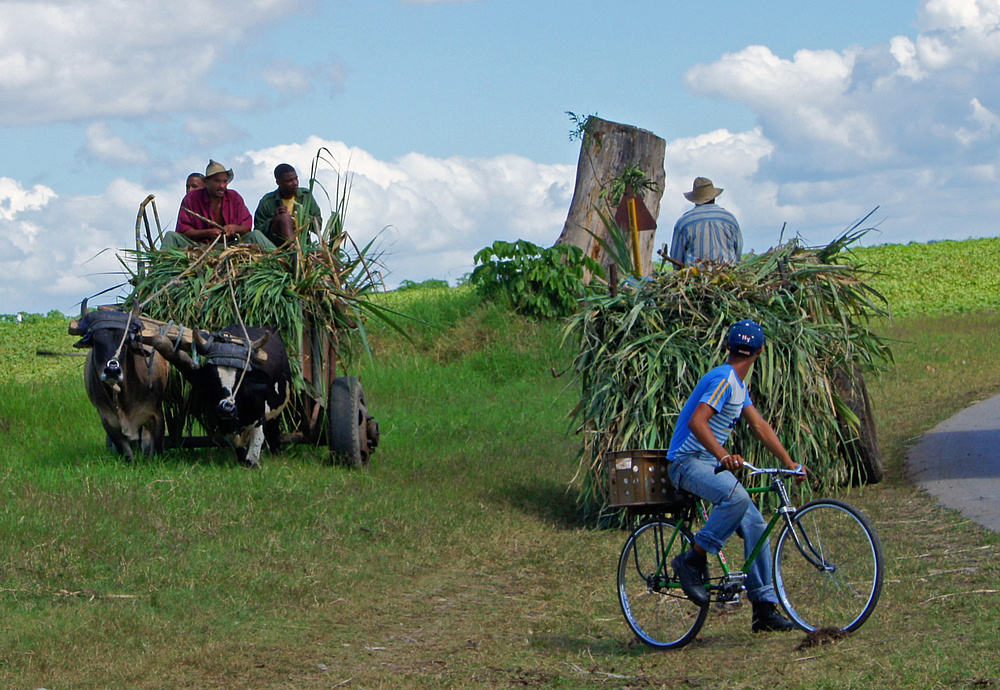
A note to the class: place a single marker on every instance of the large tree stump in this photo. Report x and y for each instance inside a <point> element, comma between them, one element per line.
<point>607,149</point>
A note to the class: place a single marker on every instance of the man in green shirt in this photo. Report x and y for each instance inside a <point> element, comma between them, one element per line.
<point>285,211</point>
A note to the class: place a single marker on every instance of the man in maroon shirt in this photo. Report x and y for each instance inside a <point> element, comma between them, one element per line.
<point>214,210</point>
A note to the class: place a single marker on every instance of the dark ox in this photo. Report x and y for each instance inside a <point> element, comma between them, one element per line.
<point>124,378</point>
<point>234,390</point>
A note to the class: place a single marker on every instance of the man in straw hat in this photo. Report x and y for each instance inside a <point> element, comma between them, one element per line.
<point>701,465</point>
<point>214,211</point>
<point>707,232</point>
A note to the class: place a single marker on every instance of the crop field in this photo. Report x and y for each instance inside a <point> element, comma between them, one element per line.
<point>938,277</point>
<point>460,558</point>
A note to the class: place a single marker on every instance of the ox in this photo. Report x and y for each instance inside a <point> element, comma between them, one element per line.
<point>124,378</point>
<point>235,389</point>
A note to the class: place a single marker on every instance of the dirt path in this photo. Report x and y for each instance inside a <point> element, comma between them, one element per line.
<point>958,461</point>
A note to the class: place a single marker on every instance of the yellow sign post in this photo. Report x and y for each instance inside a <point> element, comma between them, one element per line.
<point>634,215</point>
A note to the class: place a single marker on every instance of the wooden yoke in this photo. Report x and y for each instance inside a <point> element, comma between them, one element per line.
<point>181,337</point>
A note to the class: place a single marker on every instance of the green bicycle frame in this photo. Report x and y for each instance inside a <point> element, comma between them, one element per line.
<point>785,508</point>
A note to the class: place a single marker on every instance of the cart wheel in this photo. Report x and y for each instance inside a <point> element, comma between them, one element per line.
<point>348,423</point>
<point>863,451</point>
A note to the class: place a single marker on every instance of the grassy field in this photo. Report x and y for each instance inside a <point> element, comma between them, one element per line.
<point>459,559</point>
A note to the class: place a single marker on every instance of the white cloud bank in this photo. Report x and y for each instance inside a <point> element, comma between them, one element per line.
<point>429,216</point>
<point>59,63</point>
<point>911,126</point>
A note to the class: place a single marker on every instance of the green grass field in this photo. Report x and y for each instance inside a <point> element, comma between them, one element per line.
<point>460,558</point>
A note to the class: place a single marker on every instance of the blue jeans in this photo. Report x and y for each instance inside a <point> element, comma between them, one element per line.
<point>733,511</point>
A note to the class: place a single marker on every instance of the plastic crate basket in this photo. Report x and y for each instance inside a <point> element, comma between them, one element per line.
<point>638,478</point>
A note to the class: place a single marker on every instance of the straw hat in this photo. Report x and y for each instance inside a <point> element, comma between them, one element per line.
<point>702,191</point>
<point>216,168</point>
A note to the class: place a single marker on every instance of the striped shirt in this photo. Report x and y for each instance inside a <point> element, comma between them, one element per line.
<point>728,396</point>
<point>707,233</point>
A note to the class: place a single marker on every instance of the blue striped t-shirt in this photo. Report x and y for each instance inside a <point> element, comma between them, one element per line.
<point>722,389</point>
<point>707,233</point>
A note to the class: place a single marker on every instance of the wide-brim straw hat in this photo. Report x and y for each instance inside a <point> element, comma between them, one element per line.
<point>702,191</point>
<point>215,168</point>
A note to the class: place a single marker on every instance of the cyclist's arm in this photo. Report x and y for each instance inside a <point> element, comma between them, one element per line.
<point>762,430</point>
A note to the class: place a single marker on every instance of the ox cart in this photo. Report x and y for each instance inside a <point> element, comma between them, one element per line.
<point>323,408</point>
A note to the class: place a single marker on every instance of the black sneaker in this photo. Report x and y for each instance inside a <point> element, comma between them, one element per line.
<point>689,567</point>
<point>767,619</point>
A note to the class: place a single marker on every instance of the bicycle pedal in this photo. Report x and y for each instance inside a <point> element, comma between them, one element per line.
<point>726,608</point>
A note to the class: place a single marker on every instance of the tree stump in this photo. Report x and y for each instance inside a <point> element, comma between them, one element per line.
<point>607,149</point>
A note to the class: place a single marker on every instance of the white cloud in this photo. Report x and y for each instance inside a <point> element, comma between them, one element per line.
<point>286,78</point>
<point>65,61</point>
<point>104,145</point>
<point>886,107</point>
<point>432,214</point>
<point>803,99</point>
<point>14,199</point>
<point>984,123</point>
<point>905,52</point>
<point>980,16</point>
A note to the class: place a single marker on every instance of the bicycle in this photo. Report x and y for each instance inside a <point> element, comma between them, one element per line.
<point>827,565</point>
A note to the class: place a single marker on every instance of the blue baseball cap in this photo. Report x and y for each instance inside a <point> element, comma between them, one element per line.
<point>746,337</point>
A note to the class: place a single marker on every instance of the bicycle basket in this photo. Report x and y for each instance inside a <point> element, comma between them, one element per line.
<point>639,478</point>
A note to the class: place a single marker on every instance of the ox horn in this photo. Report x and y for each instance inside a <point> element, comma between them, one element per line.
<point>83,308</point>
<point>199,341</point>
<point>261,341</point>
<point>178,358</point>
<point>257,353</point>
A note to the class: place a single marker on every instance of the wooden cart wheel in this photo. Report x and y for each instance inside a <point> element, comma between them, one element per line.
<point>348,423</point>
<point>863,450</point>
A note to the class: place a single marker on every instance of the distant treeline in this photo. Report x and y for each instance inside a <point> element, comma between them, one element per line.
<point>32,318</point>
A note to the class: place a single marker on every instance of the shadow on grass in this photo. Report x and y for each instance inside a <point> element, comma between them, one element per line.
<point>549,502</point>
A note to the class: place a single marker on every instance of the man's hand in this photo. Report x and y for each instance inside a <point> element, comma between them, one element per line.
<point>232,230</point>
<point>801,468</point>
<point>732,462</point>
<point>280,210</point>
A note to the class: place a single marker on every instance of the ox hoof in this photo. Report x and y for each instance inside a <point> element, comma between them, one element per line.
<point>249,464</point>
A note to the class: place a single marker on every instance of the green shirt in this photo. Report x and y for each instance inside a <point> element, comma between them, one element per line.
<point>268,206</point>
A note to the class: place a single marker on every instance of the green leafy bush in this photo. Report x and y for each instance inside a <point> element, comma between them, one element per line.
<point>543,283</point>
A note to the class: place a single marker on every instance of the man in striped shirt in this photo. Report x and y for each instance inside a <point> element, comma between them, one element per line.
<point>699,464</point>
<point>707,232</point>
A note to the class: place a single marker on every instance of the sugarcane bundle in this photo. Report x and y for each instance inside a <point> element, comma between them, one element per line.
<point>303,285</point>
<point>642,351</point>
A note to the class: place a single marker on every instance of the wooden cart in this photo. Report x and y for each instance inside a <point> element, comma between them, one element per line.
<point>325,409</point>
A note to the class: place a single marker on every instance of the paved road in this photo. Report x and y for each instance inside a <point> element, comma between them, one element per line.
<point>958,461</point>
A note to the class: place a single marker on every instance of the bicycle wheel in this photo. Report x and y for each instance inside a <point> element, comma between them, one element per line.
<point>650,594</point>
<point>828,566</point>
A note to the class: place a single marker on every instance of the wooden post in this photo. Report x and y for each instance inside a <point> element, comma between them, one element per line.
<point>608,147</point>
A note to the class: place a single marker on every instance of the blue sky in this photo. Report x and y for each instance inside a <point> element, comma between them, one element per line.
<point>450,116</point>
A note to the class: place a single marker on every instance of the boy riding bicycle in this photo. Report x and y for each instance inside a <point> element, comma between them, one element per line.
<point>700,465</point>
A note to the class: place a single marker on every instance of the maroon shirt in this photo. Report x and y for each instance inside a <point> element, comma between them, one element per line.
<point>234,211</point>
